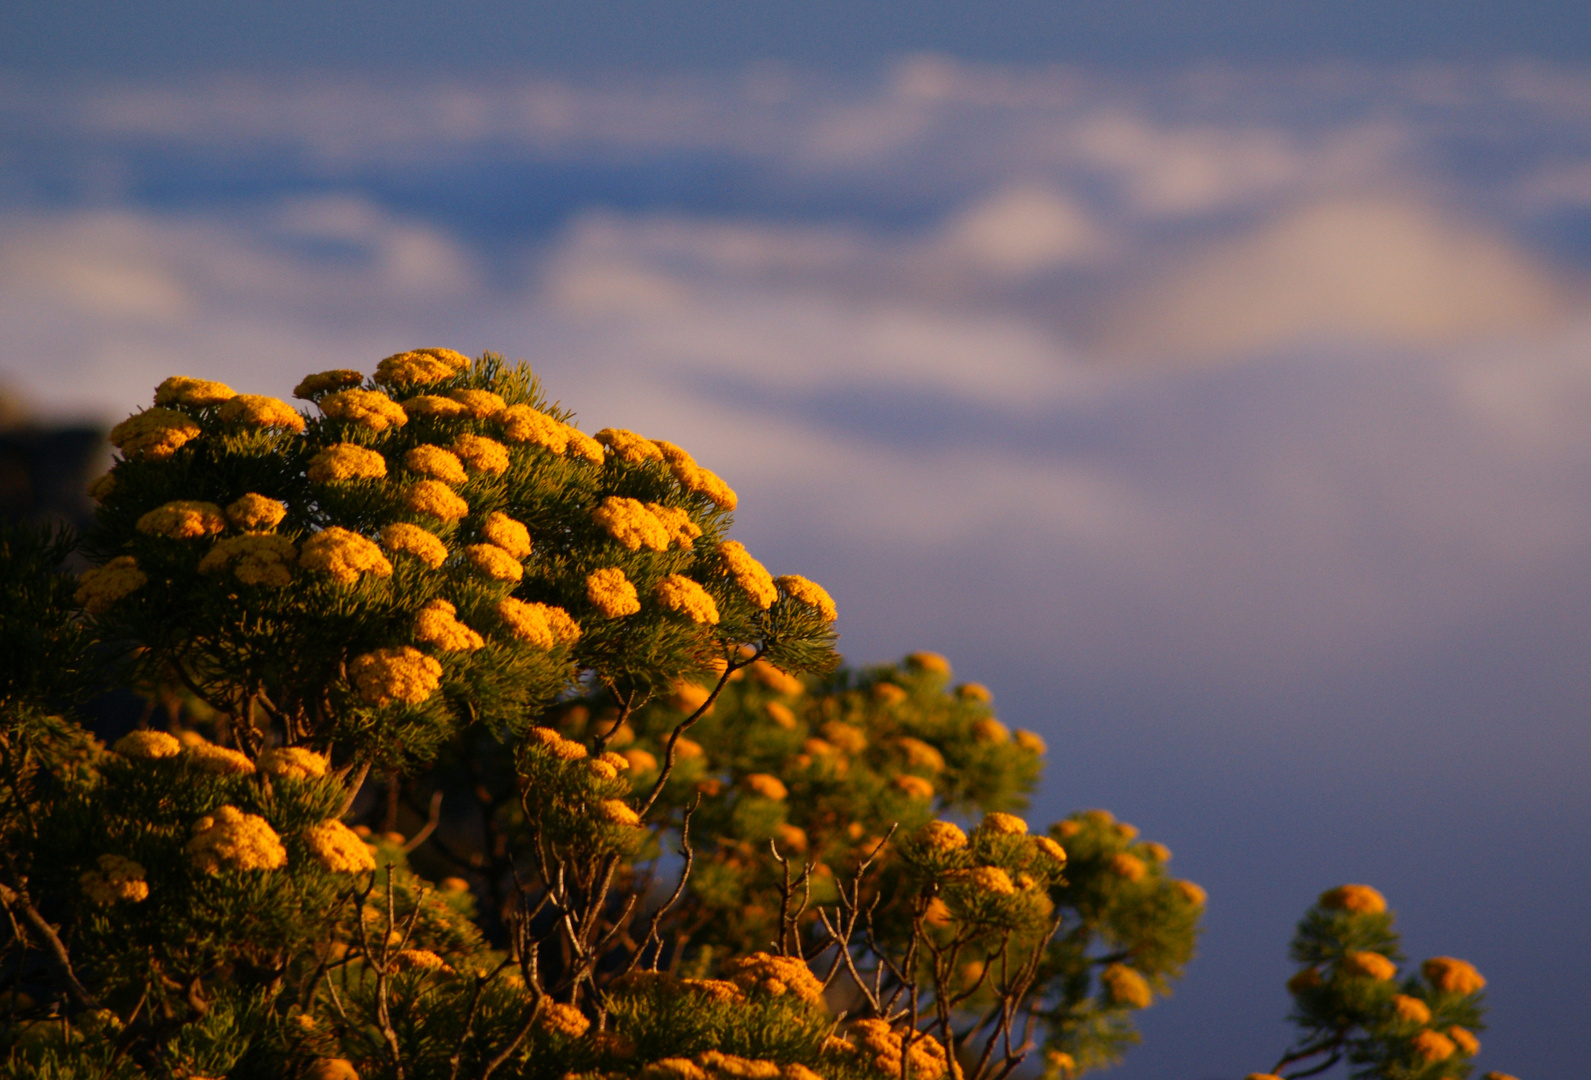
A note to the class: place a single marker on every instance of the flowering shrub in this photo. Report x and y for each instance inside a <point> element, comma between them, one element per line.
<point>653,831</point>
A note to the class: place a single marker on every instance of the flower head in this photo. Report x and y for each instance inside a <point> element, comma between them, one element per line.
<point>766,786</point>
<point>611,593</point>
<point>557,745</point>
<point>256,513</point>
<point>971,691</point>
<point>117,878</point>
<point>479,403</point>
<point>1191,892</point>
<point>1003,824</point>
<point>522,424</point>
<point>920,755</point>
<point>810,593</point>
<point>413,540</point>
<point>368,408</point>
<point>401,674</point>
<point>1465,1040</point>
<point>695,479</point>
<point>193,393</point>
<point>207,757</point>
<point>183,520</point>
<point>542,625</point>
<point>419,960</point>
<point>1050,849</point>
<point>324,382</point>
<point>255,559</point>
<point>775,976</point>
<point>438,625</point>
<point>629,446</point>
<point>338,848</point>
<point>752,577</point>
<point>436,499</point>
<point>442,408</point>
<point>1124,986</point>
<point>232,840</point>
<point>1030,741</point>
<point>154,433</point>
<point>915,787</point>
<point>435,462</point>
<point>1410,1010</point>
<point>988,730</point>
<point>1452,976</point>
<point>930,662</point>
<point>1360,899</point>
<point>420,367</point>
<point>100,587</point>
<point>482,454</point>
<point>343,555</point>
<point>257,410</point>
<point>1368,965</point>
<point>494,562</point>
<point>779,682</point>
<point>618,812</point>
<point>1127,865</point>
<point>630,523</point>
<point>677,523</point>
<point>560,1019</point>
<point>293,763</point>
<point>680,594</point>
<point>506,533</point>
<point>1433,1046</point>
<point>346,461</point>
<point>941,837</point>
<point>147,745</point>
<point>989,880</point>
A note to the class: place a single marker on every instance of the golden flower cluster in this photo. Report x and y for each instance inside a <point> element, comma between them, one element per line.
<point>480,453</point>
<point>618,812</point>
<point>630,523</point>
<point>988,880</point>
<point>494,562</point>
<point>695,479</point>
<point>1126,865</point>
<point>183,520</point>
<point>442,408</point>
<point>346,461</point>
<point>232,840</point>
<point>941,837</point>
<point>343,555</point>
<point>154,433</point>
<point>1368,965</point>
<point>1465,1040</point>
<point>293,763</point>
<point>506,533</point>
<point>1050,849</point>
<point>1359,899</point>
<point>522,424</point>
<point>420,367</point>
<point>419,960</point>
<point>542,625</point>
<point>1410,1010</point>
<point>223,761</point>
<point>780,714</point>
<point>779,682</point>
<point>920,755</point>
<point>1060,1064</point>
<point>775,976</point>
<point>401,674</point>
<point>930,662</point>
<point>118,878</point>
<point>1190,892</point>
<point>971,691</point>
<point>766,786</point>
<point>413,540</point>
<point>721,1066</point>
<point>1124,986</point>
<point>478,403</point>
<point>1433,1046</point>
<point>915,787</point>
<point>438,625</point>
<point>720,991</point>
<point>1031,741</point>
<point>628,446</point>
<point>611,593</point>
<point>559,1019</point>
<point>748,573</point>
<point>323,382</point>
<point>1452,976</point>
<point>1304,981</point>
<point>100,587</point>
<point>256,513</point>
<point>560,747</point>
<point>257,410</point>
<point>338,848</point>
<point>1003,824</point>
<point>436,499</point>
<point>990,731</point>
<point>847,737</point>
<point>435,462</point>
<point>808,592</point>
<point>368,408</point>
<point>922,1053</point>
<point>256,559</point>
<point>192,393</point>
<point>147,745</point>
<point>677,523</point>
<point>680,594</point>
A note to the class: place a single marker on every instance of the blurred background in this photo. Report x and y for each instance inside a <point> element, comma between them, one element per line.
<point>1209,379</point>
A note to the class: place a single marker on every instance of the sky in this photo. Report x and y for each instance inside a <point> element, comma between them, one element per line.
<point>1208,380</point>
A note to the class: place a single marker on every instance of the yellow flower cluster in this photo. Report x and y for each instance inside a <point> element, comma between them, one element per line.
<point>941,837</point>
<point>312,386</point>
<point>611,593</point>
<point>1127,865</point>
<point>923,1056</point>
<point>256,513</point>
<point>1031,741</point>
<point>293,763</point>
<point>557,1018</point>
<point>400,674</point>
<point>628,446</point>
<point>1003,824</point>
<point>931,662</point>
<point>848,737</point>
<point>971,691</point>
<point>695,479</point>
<point>560,747</point>
<point>1433,1046</point>
<point>991,880</point>
<point>640,761</point>
<point>367,408</point>
<point>1305,980</point>
<point>494,562</point>
<point>775,976</point>
<point>990,731</point>
<point>748,573</point>
<point>766,786</point>
<point>889,693</point>
<point>207,757</point>
<point>1368,965</point>
<point>1124,986</point>
<point>618,812</point>
<point>147,745</point>
<point>1452,976</point>
<point>257,410</point>
<point>182,520</point>
<point>100,587</point>
<point>154,433</point>
<point>808,592</point>
<point>921,755</point>
<point>1359,899</point>
<point>1410,1010</point>
<point>720,991</point>
<point>780,714</point>
<point>258,559</point>
<point>915,787</point>
<point>506,533</point>
<point>1157,852</point>
<point>338,848</point>
<point>436,499</point>
<point>419,960</point>
<point>542,625</point>
<point>679,593</point>
<point>479,403</point>
<point>192,393</point>
<point>438,625</point>
<point>441,408</point>
<point>1465,1040</point>
<point>343,555</point>
<point>118,878</point>
<point>522,424</point>
<point>630,523</point>
<point>233,840</point>
<point>1053,850</point>
<point>435,462</point>
<point>779,682</point>
<point>1060,1064</point>
<point>682,531</point>
<point>413,540</point>
<point>482,454</point>
<point>420,367</point>
<point>346,461</point>
<point>721,1066</point>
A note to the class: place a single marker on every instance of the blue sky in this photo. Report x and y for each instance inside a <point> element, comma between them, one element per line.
<point>1226,418</point>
